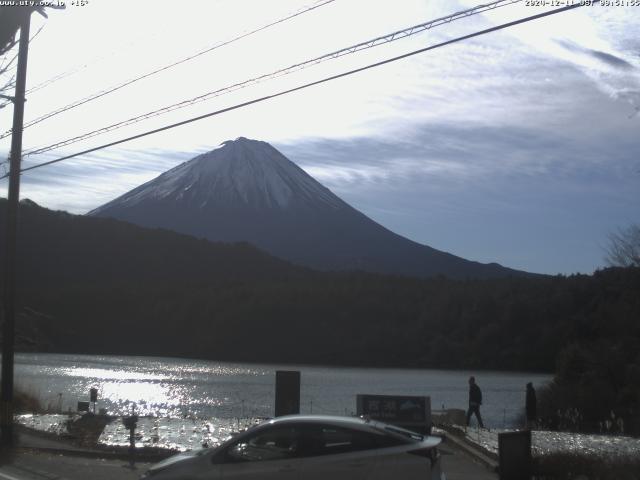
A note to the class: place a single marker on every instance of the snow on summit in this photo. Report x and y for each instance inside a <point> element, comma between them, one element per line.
<point>247,171</point>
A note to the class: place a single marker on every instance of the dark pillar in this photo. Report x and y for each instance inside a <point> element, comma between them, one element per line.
<point>9,294</point>
<point>287,393</point>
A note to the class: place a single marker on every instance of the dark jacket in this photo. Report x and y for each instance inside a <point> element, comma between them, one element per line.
<point>475,394</point>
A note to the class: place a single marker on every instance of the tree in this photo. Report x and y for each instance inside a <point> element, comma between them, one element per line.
<point>10,18</point>
<point>624,247</point>
<point>7,42</point>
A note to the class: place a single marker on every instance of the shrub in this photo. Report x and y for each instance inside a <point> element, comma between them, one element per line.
<point>561,466</point>
<point>25,402</point>
<point>596,389</point>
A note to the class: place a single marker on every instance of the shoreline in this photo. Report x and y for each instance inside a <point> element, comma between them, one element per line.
<point>580,458</point>
<point>270,363</point>
<point>33,439</point>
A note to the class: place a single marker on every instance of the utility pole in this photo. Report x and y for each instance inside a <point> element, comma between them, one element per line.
<point>9,294</point>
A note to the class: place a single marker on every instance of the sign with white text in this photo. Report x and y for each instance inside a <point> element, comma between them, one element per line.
<point>409,412</point>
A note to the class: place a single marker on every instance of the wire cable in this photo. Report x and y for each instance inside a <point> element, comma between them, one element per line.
<point>391,37</point>
<point>70,72</point>
<point>79,67</point>
<point>308,85</point>
<point>131,81</point>
<point>37,33</point>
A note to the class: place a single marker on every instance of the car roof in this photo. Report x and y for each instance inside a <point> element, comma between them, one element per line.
<point>338,421</point>
<point>324,419</point>
<point>351,422</point>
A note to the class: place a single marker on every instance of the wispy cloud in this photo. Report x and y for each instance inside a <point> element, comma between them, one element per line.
<point>524,136</point>
<point>79,185</point>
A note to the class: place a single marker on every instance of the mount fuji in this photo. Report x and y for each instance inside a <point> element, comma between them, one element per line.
<point>246,190</point>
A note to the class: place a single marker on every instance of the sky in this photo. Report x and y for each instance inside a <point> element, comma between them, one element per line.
<point>519,147</point>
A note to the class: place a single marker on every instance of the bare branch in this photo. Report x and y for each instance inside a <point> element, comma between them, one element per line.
<point>624,247</point>
<point>8,46</point>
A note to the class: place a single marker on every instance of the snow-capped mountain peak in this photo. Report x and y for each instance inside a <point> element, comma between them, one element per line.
<point>242,170</point>
<point>245,190</point>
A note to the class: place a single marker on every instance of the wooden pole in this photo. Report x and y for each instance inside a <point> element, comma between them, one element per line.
<point>9,294</point>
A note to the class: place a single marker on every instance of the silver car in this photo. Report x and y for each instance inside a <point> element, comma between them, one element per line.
<point>310,447</point>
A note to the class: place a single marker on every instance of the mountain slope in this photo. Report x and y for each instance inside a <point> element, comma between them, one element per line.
<point>246,190</point>
<point>57,248</point>
<point>100,286</point>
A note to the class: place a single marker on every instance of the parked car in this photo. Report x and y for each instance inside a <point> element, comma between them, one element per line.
<point>311,447</point>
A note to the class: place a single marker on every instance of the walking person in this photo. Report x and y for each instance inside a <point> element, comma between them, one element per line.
<point>531,406</point>
<point>475,400</point>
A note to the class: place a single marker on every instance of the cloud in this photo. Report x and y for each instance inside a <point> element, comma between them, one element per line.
<point>607,58</point>
<point>504,133</point>
<point>81,184</point>
<point>611,59</point>
<point>528,197</point>
<point>457,154</point>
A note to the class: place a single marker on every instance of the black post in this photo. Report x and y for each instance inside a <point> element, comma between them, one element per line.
<point>287,392</point>
<point>132,445</point>
<point>93,397</point>
<point>130,423</point>
<point>9,297</point>
<point>514,455</point>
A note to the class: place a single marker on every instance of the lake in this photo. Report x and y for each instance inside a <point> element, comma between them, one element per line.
<point>199,389</point>
<point>185,404</point>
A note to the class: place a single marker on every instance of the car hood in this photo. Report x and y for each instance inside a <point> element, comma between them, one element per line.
<point>179,458</point>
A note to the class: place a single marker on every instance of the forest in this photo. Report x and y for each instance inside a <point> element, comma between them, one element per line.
<point>100,286</point>
<point>91,285</point>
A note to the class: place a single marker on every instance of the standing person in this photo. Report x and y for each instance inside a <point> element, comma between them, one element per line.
<point>531,406</point>
<point>475,400</point>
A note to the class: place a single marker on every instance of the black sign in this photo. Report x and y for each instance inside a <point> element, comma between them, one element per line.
<point>287,393</point>
<point>83,406</point>
<point>398,410</point>
<point>514,454</point>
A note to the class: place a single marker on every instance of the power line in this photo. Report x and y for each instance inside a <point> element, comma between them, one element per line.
<point>37,33</point>
<point>73,70</point>
<point>56,78</point>
<point>113,89</point>
<point>79,67</point>
<point>70,72</point>
<point>391,37</point>
<point>310,84</point>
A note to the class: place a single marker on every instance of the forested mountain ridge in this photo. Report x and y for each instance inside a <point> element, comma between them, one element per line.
<point>105,286</point>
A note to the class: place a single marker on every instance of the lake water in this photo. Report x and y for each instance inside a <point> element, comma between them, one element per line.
<point>185,404</point>
<point>198,389</point>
